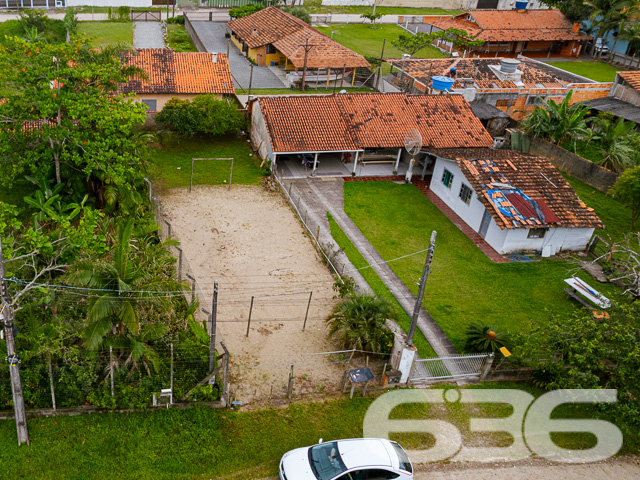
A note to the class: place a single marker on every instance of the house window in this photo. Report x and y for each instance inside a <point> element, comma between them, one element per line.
<point>537,232</point>
<point>531,101</point>
<point>447,178</point>
<point>271,49</point>
<point>465,194</point>
<point>152,105</point>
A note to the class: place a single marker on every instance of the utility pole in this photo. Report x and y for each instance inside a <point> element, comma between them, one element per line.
<point>12,357</point>
<point>307,47</point>
<point>423,282</point>
<point>384,40</point>
<point>212,336</point>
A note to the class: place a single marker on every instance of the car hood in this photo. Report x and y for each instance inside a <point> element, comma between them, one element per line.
<point>296,465</point>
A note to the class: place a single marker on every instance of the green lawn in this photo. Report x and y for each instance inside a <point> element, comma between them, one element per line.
<point>615,216</point>
<point>600,72</point>
<point>315,6</point>
<point>171,166</point>
<point>105,33</point>
<point>378,286</point>
<point>368,42</point>
<point>464,286</point>
<point>202,443</point>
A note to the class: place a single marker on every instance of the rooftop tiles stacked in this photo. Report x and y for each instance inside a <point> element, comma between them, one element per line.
<point>170,72</point>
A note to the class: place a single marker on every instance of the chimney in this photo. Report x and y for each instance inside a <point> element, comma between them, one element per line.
<point>214,57</point>
<point>575,28</point>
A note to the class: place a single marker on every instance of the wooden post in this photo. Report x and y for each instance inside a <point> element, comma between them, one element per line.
<point>230,174</point>
<point>384,370</point>
<point>191,181</point>
<point>344,70</point>
<point>304,71</point>
<point>226,368</point>
<point>306,315</point>
<point>249,321</point>
<point>193,286</point>
<point>179,263</point>
<point>111,367</point>
<point>318,235</point>
<point>290,387</point>
<point>212,330</point>
<point>250,80</point>
<point>384,40</point>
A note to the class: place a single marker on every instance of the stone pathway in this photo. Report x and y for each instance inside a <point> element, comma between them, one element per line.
<point>327,196</point>
<point>147,35</point>
<point>212,36</point>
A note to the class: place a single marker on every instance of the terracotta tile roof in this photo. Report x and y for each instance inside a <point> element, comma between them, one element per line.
<point>533,73</point>
<point>632,78</point>
<point>511,25</point>
<point>491,172</point>
<point>179,72</point>
<point>289,34</point>
<point>370,120</point>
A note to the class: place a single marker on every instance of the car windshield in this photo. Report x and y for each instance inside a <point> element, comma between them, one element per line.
<point>405,464</point>
<point>325,461</point>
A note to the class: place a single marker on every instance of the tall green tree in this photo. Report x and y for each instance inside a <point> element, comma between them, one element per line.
<point>617,143</point>
<point>63,111</point>
<point>360,322</point>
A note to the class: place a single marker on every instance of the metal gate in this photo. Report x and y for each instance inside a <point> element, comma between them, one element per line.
<point>443,368</point>
<point>145,16</point>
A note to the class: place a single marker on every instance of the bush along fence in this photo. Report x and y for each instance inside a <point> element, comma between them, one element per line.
<point>108,379</point>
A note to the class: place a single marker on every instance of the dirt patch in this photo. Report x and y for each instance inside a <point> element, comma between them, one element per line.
<point>251,242</point>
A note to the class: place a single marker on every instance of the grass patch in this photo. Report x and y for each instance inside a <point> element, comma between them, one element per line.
<point>379,288</point>
<point>240,443</point>
<point>598,71</point>
<point>368,42</point>
<point>615,216</point>
<point>53,33</point>
<point>464,286</point>
<point>315,6</point>
<point>308,90</point>
<point>171,165</point>
<point>105,33</point>
<point>179,38</point>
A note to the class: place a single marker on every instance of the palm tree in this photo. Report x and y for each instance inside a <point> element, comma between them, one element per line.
<point>631,33</point>
<point>360,321</point>
<point>617,143</point>
<point>557,121</point>
<point>483,338</point>
<point>126,291</point>
<point>608,15</point>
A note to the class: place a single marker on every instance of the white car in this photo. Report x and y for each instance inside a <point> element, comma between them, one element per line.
<point>353,459</point>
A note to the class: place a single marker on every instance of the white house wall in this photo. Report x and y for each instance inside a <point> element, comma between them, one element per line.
<point>259,133</point>
<point>109,3</point>
<point>472,212</point>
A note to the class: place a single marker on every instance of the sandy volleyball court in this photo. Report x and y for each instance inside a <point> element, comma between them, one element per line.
<point>251,242</point>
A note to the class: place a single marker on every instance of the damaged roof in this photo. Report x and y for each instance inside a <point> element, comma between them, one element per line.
<point>513,25</point>
<point>632,78</point>
<point>369,120</point>
<point>179,72</point>
<point>289,35</point>
<point>534,74</point>
<point>522,190</point>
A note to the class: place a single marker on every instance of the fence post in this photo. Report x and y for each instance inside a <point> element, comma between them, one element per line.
<point>306,315</point>
<point>171,377</point>
<point>193,286</point>
<point>53,392</point>
<point>179,263</point>
<point>250,310</point>
<point>226,369</point>
<point>290,387</point>
<point>486,366</point>
<point>111,367</point>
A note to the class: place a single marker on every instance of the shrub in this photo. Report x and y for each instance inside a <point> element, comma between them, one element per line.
<point>299,12</point>
<point>483,338</point>
<point>245,11</point>
<point>179,19</point>
<point>32,18</point>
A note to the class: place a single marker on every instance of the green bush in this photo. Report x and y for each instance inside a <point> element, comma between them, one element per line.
<point>177,19</point>
<point>244,11</point>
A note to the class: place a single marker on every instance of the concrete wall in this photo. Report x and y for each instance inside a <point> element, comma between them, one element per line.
<point>445,4</point>
<point>107,3</point>
<point>624,92</point>
<point>576,166</point>
<point>192,33</point>
<point>259,133</point>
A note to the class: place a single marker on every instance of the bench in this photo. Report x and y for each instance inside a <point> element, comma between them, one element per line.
<point>572,293</point>
<point>585,293</point>
<point>379,161</point>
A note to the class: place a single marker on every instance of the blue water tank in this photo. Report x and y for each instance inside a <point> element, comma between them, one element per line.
<point>521,5</point>
<point>442,83</point>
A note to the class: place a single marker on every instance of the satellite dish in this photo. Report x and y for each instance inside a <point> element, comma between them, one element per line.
<point>413,141</point>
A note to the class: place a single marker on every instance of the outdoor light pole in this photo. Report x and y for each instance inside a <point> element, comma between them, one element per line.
<point>423,282</point>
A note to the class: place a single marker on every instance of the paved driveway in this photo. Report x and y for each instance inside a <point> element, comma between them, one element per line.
<point>212,36</point>
<point>147,35</point>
